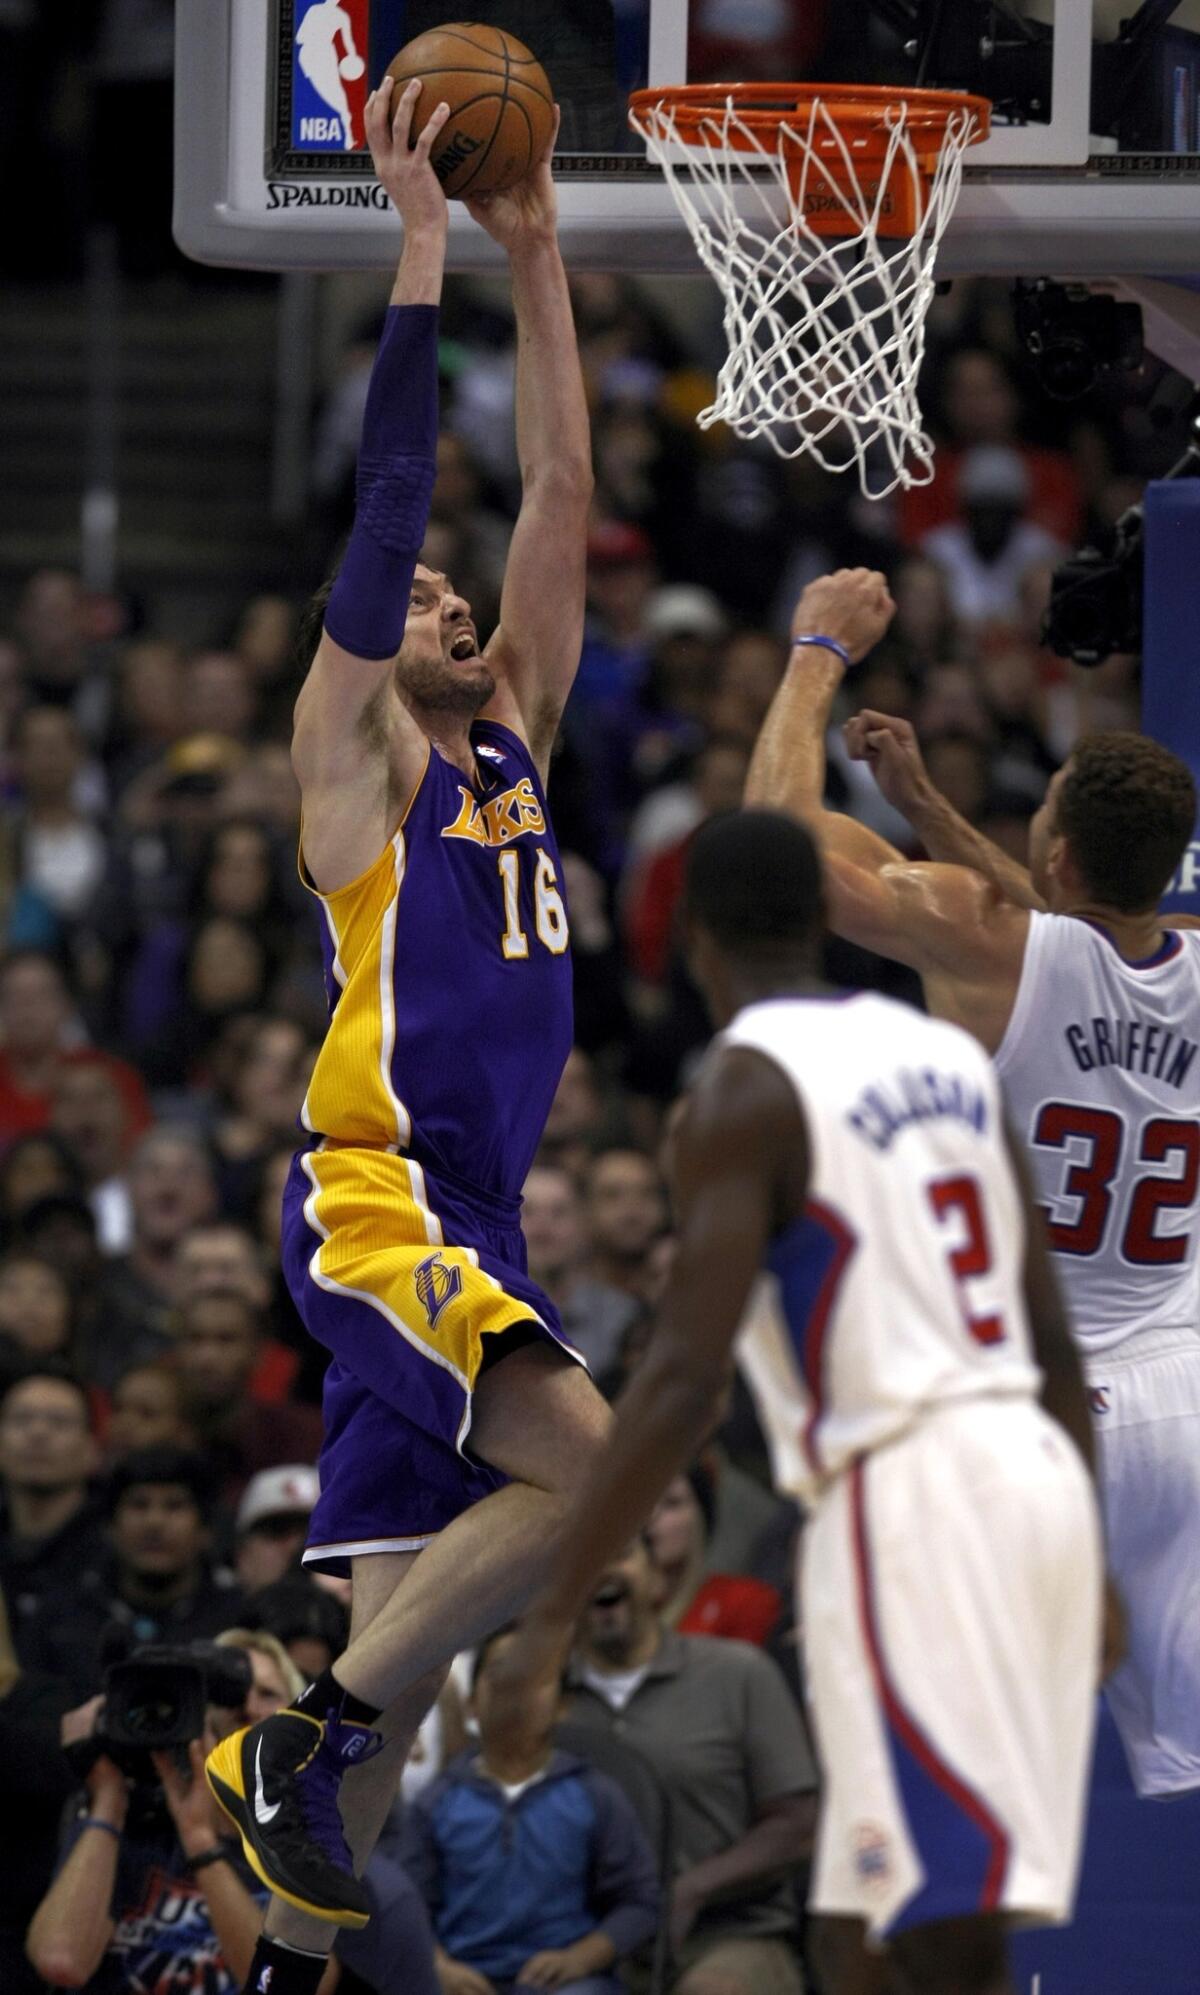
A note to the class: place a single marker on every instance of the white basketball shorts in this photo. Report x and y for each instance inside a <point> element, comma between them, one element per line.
<point>1145,1400</point>
<point>950,1593</point>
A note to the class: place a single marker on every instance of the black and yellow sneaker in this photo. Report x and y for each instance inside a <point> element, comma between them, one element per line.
<point>278,1782</point>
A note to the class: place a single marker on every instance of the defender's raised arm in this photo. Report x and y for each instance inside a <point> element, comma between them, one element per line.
<point>947,922</point>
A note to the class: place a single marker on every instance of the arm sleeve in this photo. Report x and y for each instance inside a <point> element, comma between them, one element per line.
<point>397,461</point>
<point>625,1884</point>
<point>779,1758</point>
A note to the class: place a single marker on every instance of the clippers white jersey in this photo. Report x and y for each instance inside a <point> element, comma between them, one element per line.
<point>900,1289</point>
<point>1101,1071</point>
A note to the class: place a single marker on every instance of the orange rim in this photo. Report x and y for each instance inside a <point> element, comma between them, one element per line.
<point>860,112</point>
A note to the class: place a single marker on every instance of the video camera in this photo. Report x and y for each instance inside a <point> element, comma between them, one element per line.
<point>155,1700</point>
<point>1075,337</point>
<point>1095,604</point>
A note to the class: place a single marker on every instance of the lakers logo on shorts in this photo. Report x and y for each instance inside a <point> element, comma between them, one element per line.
<point>436,1285</point>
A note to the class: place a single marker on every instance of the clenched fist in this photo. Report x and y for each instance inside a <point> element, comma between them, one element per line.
<point>853,606</point>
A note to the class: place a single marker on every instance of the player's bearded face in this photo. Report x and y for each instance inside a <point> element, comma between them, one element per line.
<point>429,677</point>
<point>438,667</point>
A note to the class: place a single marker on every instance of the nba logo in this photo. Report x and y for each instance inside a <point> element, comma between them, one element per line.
<point>871,1858</point>
<point>263,1985</point>
<point>329,75</point>
<point>1098,1398</point>
<point>436,1285</point>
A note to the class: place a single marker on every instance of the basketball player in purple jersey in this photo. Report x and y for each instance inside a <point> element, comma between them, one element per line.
<point>1089,1001</point>
<point>457,1417</point>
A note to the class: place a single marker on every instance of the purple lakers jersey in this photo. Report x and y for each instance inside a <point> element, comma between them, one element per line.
<point>449,978</point>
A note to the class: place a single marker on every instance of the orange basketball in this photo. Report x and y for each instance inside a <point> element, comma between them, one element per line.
<point>501,104</point>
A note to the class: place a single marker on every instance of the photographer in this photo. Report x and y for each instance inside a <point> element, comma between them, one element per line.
<point>157,1584</point>
<point>149,1892</point>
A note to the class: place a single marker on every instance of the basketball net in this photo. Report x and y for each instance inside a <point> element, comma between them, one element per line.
<point>823,243</point>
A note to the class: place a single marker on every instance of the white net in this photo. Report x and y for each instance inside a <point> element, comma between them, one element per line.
<point>826,333</point>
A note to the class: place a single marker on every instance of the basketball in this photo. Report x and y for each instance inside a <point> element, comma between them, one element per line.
<point>351,67</point>
<point>501,104</point>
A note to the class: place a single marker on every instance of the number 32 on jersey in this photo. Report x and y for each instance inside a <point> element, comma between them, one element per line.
<point>1095,1142</point>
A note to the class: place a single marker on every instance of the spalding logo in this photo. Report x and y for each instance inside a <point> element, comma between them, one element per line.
<point>461,146</point>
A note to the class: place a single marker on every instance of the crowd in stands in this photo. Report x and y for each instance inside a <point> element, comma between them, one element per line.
<point>161,1001</point>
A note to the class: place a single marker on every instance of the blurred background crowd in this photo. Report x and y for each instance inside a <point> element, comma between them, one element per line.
<point>160,987</point>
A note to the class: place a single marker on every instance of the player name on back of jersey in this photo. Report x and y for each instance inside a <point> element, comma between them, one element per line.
<point>1132,1043</point>
<point>916,1094</point>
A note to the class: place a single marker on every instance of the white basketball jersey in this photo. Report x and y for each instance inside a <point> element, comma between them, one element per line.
<point>1101,1072</point>
<point>900,1288</point>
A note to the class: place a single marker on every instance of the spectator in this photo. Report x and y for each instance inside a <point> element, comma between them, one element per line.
<point>266,1096</point>
<point>310,1622</point>
<point>626,1209</point>
<point>653,892</point>
<point>716,1721</point>
<point>34,1167</point>
<point>223,1257</point>
<point>272,1524</point>
<point>160,1896</point>
<point>37,1315</point>
<point>595,1314</point>
<point>60,849</point>
<point>283,1316</point>
<point>577,1116</point>
<point>172,1187</point>
<point>981,406</point>
<point>157,1583</point>
<point>92,1115</point>
<point>35,1016</point>
<point>50,1534</point>
<point>218,696</point>
<point>923,630</point>
<point>35,1781</point>
<point>217,1256</point>
<point>218,1347</point>
<point>150,1891</point>
<point>149,709</point>
<point>732,1605</point>
<point>263,638</point>
<point>535,1869</point>
<point>985,555</point>
<point>149,1410</point>
<point>751,667</point>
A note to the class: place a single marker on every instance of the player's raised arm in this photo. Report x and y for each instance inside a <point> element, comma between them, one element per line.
<point>357,753</point>
<point>947,922</point>
<point>889,747</point>
<point>535,651</point>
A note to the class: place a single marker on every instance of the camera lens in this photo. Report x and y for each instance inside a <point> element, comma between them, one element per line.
<point>151,1719</point>
<point>1067,368</point>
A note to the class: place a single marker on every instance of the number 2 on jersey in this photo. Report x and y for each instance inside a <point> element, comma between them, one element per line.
<point>1089,1180</point>
<point>549,913</point>
<point>960,1197</point>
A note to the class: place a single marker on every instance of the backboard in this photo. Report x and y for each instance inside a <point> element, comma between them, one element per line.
<point>1093,169</point>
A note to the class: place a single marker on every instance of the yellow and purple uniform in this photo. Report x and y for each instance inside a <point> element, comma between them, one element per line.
<point>449,982</point>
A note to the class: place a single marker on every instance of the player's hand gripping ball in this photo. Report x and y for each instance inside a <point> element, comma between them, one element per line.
<point>501,104</point>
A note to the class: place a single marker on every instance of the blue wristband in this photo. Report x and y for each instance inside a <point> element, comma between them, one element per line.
<point>830,644</point>
<point>94,1822</point>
